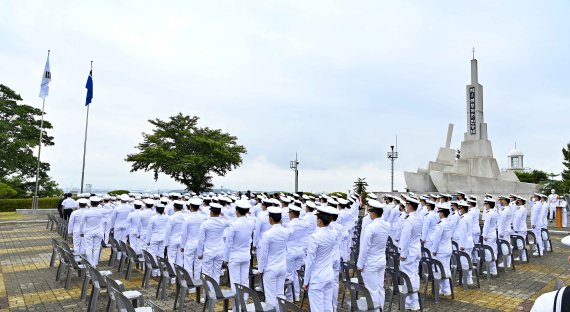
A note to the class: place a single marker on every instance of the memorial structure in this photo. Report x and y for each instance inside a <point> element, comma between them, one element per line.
<point>475,170</point>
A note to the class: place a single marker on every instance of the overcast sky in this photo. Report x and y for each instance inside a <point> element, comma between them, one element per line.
<point>335,81</point>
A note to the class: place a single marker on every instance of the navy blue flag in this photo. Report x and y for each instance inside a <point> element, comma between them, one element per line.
<point>89,87</point>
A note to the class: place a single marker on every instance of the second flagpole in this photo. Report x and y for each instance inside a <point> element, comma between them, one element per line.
<point>85,140</point>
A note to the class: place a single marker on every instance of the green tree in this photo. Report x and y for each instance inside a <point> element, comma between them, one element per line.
<point>535,176</point>
<point>566,163</point>
<point>187,153</point>
<point>19,136</point>
<point>6,191</point>
<point>360,186</point>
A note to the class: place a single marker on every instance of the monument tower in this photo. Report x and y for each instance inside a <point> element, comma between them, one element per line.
<point>476,170</point>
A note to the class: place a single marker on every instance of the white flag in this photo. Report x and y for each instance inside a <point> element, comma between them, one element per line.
<point>46,78</point>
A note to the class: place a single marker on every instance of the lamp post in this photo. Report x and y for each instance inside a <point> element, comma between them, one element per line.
<point>392,155</point>
<point>294,165</point>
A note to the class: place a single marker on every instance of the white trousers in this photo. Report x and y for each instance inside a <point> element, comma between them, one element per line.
<point>134,243</point>
<point>491,242</point>
<point>157,250</point>
<point>320,296</point>
<point>444,286</point>
<point>191,262</point>
<point>78,243</point>
<point>120,234</point>
<point>465,264</point>
<point>175,256</point>
<point>239,273</point>
<point>212,266</point>
<point>142,244</point>
<point>551,211</point>
<point>564,217</point>
<point>538,244</point>
<point>294,263</point>
<point>93,248</point>
<point>106,230</point>
<point>374,282</point>
<point>273,284</point>
<point>520,246</point>
<point>336,269</point>
<point>410,267</point>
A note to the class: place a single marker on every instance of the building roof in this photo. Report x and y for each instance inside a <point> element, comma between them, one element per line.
<point>515,152</point>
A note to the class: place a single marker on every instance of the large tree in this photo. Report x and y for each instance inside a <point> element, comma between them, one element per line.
<point>19,138</point>
<point>566,163</point>
<point>188,154</point>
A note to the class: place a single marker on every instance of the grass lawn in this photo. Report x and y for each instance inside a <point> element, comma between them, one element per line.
<point>11,216</point>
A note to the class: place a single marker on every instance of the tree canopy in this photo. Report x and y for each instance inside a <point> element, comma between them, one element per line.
<point>19,137</point>
<point>187,153</point>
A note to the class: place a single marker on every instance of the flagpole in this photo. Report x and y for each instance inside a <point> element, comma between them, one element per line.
<point>35,199</point>
<point>85,142</point>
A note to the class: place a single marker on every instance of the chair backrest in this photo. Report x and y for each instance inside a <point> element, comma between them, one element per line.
<point>183,276</point>
<point>301,276</point>
<point>114,243</point>
<point>347,267</point>
<point>214,286</point>
<point>393,260</point>
<point>54,243</point>
<point>112,284</point>
<point>356,292</point>
<point>404,280</point>
<point>123,302</point>
<point>529,235</point>
<point>501,243</point>
<point>454,245</point>
<point>439,266</point>
<point>286,306</point>
<point>61,252</point>
<point>483,254</point>
<point>123,246</point>
<point>131,253</point>
<point>97,278</point>
<point>515,238</point>
<point>426,252</point>
<point>544,232</point>
<point>154,306</point>
<point>462,254</point>
<point>149,259</point>
<point>241,292</point>
<point>163,264</point>
<point>65,246</point>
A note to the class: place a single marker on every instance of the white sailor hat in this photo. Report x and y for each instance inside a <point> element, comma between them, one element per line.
<point>463,204</point>
<point>434,196</point>
<point>454,202</point>
<point>284,199</point>
<point>163,199</point>
<point>295,195</point>
<point>243,204</point>
<point>178,203</point>
<point>372,195</point>
<point>543,195</point>
<point>442,207</point>
<point>294,208</point>
<point>311,205</point>
<point>276,201</point>
<point>472,201</point>
<point>138,203</point>
<point>83,201</point>
<point>138,197</point>
<point>431,202</point>
<point>327,210</point>
<point>95,199</point>
<point>489,200</point>
<point>342,201</point>
<point>106,197</point>
<point>224,199</point>
<point>232,197</point>
<point>332,202</point>
<point>275,210</point>
<point>267,201</point>
<point>305,197</point>
<point>461,193</point>
<point>148,201</point>
<point>113,197</point>
<point>160,205</point>
<point>124,197</point>
<point>522,198</point>
<point>215,206</point>
<point>412,200</point>
<point>373,203</point>
<point>195,201</point>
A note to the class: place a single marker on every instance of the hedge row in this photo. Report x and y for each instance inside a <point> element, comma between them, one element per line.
<point>10,205</point>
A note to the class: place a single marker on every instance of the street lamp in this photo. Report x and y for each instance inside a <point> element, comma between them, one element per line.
<point>294,164</point>
<point>393,155</point>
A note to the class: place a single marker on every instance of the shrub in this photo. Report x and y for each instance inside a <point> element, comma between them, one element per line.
<point>10,205</point>
<point>6,191</point>
<point>118,192</point>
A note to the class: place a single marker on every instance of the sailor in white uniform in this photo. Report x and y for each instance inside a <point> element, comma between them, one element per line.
<point>273,257</point>
<point>73,227</point>
<point>489,232</point>
<point>146,213</point>
<point>441,246</point>
<point>107,210</point>
<point>319,274</point>
<point>92,231</point>
<point>237,251</point>
<point>429,222</point>
<point>119,219</point>
<point>372,257</point>
<point>189,241</point>
<point>174,234</point>
<point>465,241</point>
<point>519,225</point>
<point>155,236</point>
<point>536,224</point>
<point>211,244</point>
<point>504,227</point>
<point>410,250</point>
<point>134,226</point>
<point>553,199</point>
<point>295,249</point>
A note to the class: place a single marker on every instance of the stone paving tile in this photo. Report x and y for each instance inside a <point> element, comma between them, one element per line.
<point>27,283</point>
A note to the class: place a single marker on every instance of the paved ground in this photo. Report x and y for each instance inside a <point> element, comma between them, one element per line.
<point>27,283</point>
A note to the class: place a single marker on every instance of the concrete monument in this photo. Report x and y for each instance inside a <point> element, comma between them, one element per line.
<point>476,170</point>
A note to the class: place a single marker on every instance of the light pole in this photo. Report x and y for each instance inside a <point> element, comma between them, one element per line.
<point>393,155</point>
<point>294,164</point>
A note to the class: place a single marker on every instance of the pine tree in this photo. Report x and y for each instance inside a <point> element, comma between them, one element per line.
<point>566,163</point>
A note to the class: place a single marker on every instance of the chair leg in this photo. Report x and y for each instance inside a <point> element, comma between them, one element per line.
<point>226,305</point>
<point>436,289</point>
<point>52,260</point>
<point>68,278</point>
<point>164,285</point>
<point>425,288</point>
<point>146,277</point>
<point>198,290</point>
<point>206,303</point>
<point>451,286</point>
<point>464,279</point>
<point>402,304</point>
<point>86,280</point>
<point>129,270</point>
<point>93,299</point>
<point>110,305</point>
<point>158,286</point>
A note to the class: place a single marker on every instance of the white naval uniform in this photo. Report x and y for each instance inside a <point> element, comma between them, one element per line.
<point>372,258</point>
<point>410,249</point>
<point>237,252</point>
<point>465,242</point>
<point>273,262</point>
<point>504,230</point>
<point>211,246</point>
<point>336,260</point>
<point>174,237</point>
<point>107,212</point>
<point>552,203</point>
<point>520,228</point>
<point>92,230</point>
<point>319,273</point>
<point>119,221</point>
<point>156,231</point>
<point>73,227</point>
<point>475,213</point>
<point>295,253</point>
<point>189,241</point>
<point>536,225</point>
<point>428,227</point>
<point>134,229</point>
<point>145,215</point>
<point>311,220</point>
<point>442,249</point>
<point>490,236</point>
